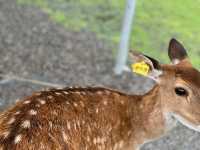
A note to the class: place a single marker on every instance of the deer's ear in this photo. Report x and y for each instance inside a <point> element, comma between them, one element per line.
<point>146,65</point>
<point>177,53</point>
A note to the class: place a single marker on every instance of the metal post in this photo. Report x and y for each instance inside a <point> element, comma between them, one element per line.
<point>125,37</point>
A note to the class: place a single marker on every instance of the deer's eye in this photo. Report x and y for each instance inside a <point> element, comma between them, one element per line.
<point>181,91</point>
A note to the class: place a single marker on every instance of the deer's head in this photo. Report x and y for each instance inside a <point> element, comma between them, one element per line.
<point>179,85</point>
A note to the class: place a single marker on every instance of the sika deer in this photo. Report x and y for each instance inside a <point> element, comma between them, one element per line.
<point>105,119</point>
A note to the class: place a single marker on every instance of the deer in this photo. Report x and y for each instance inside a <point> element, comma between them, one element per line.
<point>98,118</point>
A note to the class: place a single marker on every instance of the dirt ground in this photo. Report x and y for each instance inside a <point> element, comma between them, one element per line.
<point>32,46</point>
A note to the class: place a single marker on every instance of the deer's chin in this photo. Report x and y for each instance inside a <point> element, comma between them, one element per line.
<point>186,123</point>
<point>170,122</point>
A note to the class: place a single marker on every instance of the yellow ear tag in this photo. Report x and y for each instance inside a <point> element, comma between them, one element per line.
<point>140,68</point>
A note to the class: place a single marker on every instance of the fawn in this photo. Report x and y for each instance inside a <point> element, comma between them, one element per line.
<point>104,119</point>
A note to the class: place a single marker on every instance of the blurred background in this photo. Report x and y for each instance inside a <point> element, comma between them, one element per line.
<point>49,43</point>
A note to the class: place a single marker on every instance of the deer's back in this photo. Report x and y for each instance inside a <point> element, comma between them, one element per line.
<point>78,118</point>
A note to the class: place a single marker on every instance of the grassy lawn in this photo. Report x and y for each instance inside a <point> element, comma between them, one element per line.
<point>155,22</point>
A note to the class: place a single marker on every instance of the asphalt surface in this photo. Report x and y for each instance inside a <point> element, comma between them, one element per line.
<point>33,46</point>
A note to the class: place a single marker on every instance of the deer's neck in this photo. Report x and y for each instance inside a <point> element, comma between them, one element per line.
<point>152,118</point>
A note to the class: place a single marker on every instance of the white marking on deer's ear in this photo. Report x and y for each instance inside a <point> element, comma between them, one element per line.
<point>154,70</point>
<point>178,54</point>
<point>155,74</point>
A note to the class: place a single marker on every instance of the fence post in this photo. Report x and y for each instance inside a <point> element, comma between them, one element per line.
<point>125,37</point>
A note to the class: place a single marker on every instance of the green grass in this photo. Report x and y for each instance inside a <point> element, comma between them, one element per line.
<point>155,22</point>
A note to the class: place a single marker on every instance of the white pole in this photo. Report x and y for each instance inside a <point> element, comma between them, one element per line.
<point>125,37</point>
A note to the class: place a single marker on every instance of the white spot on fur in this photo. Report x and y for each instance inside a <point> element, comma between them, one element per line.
<point>65,92</point>
<point>121,143</point>
<point>5,134</point>
<point>99,92</point>
<point>83,122</point>
<point>42,146</point>
<point>50,124</point>
<point>77,92</point>
<point>37,105</point>
<point>75,127</point>
<point>17,113</point>
<point>115,146</point>
<point>94,141</point>
<point>54,112</point>
<point>82,104</point>
<point>103,140</point>
<point>75,104</point>
<point>122,102</point>
<point>50,97</point>
<point>83,93</point>
<point>78,123</point>
<point>88,138</point>
<point>107,92</point>
<point>97,110</point>
<point>98,140</point>
<point>26,124</point>
<point>12,120</point>
<point>42,102</point>
<point>68,126</point>
<point>26,102</point>
<point>65,137</point>
<point>129,132</point>
<point>105,103</point>
<point>18,138</point>
<point>58,93</point>
<point>32,112</point>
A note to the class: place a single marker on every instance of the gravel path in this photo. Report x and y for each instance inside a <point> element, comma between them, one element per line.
<point>32,46</point>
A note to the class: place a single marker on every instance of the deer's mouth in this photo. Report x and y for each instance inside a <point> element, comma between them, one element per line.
<point>186,123</point>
